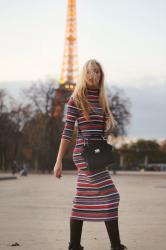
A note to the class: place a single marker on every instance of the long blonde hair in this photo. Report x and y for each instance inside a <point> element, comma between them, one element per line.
<point>80,91</point>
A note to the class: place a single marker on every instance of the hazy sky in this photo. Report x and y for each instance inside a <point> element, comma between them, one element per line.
<point>127,37</point>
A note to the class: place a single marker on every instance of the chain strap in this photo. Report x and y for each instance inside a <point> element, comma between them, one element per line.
<point>102,136</point>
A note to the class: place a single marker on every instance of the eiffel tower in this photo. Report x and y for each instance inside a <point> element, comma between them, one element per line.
<point>68,80</point>
<point>69,71</point>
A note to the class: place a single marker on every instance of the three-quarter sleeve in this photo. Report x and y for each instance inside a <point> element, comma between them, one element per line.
<point>70,118</point>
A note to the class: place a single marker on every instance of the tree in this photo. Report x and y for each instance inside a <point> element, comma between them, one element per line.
<point>40,95</point>
<point>120,107</point>
<point>140,152</point>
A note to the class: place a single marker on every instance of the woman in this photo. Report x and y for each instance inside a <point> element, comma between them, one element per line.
<point>97,198</point>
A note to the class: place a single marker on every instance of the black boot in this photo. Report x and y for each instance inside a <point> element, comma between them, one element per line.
<point>120,247</point>
<point>75,248</point>
<point>75,234</point>
<point>113,232</point>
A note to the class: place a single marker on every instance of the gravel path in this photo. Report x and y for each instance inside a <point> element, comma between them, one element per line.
<point>34,212</point>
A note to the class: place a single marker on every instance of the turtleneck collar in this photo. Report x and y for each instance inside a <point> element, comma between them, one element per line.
<point>95,90</point>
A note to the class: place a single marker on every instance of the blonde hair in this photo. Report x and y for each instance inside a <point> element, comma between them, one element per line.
<point>80,91</point>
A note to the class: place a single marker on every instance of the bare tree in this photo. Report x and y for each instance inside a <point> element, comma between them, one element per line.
<point>40,96</point>
<point>120,107</point>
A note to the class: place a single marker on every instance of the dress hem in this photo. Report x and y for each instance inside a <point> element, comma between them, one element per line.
<point>94,220</point>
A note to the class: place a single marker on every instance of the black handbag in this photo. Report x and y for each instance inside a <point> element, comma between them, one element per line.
<point>98,153</point>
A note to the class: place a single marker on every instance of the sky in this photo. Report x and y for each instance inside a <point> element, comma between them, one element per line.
<point>127,37</point>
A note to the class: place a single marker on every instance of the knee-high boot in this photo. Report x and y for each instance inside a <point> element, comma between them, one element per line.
<point>75,234</point>
<point>113,232</point>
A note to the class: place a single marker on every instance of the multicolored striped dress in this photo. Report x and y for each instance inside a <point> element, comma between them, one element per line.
<point>96,197</point>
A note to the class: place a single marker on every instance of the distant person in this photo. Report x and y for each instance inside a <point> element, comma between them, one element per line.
<point>97,198</point>
<point>24,170</point>
<point>14,167</point>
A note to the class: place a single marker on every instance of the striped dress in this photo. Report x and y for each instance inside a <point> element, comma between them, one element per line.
<point>96,197</point>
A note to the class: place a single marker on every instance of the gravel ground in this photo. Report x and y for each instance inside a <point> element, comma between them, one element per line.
<point>35,210</point>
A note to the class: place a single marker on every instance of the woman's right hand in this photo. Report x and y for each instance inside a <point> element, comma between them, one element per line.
<point>58,169</point>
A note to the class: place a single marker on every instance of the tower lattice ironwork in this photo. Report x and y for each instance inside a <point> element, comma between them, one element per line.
<point>69,71</point>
